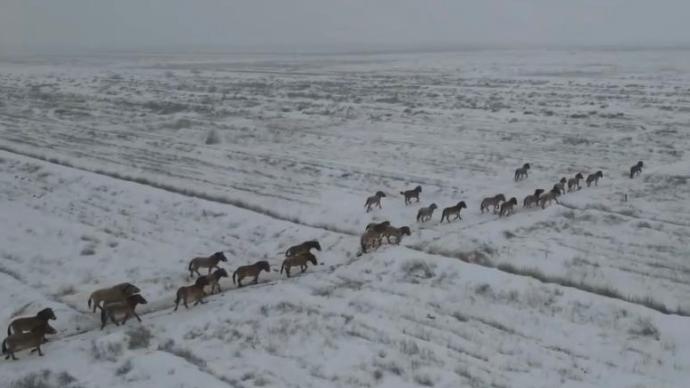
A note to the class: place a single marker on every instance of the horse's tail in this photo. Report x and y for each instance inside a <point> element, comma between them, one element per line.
<point>90,301</point>
<point>9,331</point>
<point>4,346</point>
<point>363,245</point>
<point>402,193</point>
<point>189,267</point>
<point>234,275</point>
<point>282,267</point>
<point>632,171</point>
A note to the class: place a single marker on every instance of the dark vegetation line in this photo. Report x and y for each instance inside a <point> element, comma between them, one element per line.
<point>482,259</point>
<point>173,189</point>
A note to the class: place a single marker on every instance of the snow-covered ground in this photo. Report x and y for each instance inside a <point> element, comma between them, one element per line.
<point>119,168</point>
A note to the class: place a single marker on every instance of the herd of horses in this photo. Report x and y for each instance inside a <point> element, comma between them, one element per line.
<point>118,303</point>
<point>375,233</point>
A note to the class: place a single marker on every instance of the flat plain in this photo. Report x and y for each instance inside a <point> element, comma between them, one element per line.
<point>123,167</point>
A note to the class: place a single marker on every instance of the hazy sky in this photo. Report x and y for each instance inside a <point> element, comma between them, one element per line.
<point>305,24</point>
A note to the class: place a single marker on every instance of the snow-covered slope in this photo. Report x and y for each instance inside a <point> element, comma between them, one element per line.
<point>124,171</point>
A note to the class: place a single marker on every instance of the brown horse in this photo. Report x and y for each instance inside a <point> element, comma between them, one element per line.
<point>424,214</point>
<point>410,194</point>
<point>297,261</point>
<point>397,233</point>
<point>532,199</point>
<point>21,341</point>
<point>194,293</point>
<point>594,178</point>
<point>453,211</point>
<point>22,325</point>
<point>636,169</point>
<point>209,262</point>
<point>549,197</point>
<point>214,279</point>
<point>374,200</point>
<point>251,270</point>
<point>521,173</point>
<point>126,308</point>
<point>303,247</point>
<point>507,208</point>
<point>115,293</point>
<point>575,182</point>
<point>494,201</point>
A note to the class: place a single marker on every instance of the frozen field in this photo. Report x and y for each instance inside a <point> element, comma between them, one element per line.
<point>118,168</point>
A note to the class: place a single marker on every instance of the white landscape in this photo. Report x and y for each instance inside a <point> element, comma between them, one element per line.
<point>121,168</point>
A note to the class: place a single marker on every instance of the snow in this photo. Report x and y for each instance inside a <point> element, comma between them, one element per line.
<point>106,176</point>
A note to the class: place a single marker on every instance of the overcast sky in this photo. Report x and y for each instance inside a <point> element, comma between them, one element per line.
<point>307,24</point>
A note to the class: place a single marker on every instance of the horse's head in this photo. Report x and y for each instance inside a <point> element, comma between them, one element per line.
<point>136,299</point>
<point>314,244</point>
<point>263,266</point>
<point>46,314</point>
<point>220,256</point>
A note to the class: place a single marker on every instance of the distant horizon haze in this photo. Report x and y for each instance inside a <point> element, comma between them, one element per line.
<point>70,26</point>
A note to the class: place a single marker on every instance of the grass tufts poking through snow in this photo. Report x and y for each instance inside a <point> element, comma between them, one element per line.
<point>46,379</point>
<point>170,347</point>
<point>417,269</point>
<point>124,368</point>
<point>645,328</point>
<point>213,137</point>
<point>599,290</point>
<point>108,348</point>
<point>139,338</point>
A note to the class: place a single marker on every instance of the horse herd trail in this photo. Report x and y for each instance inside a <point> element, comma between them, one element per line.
<point>166,309</point>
